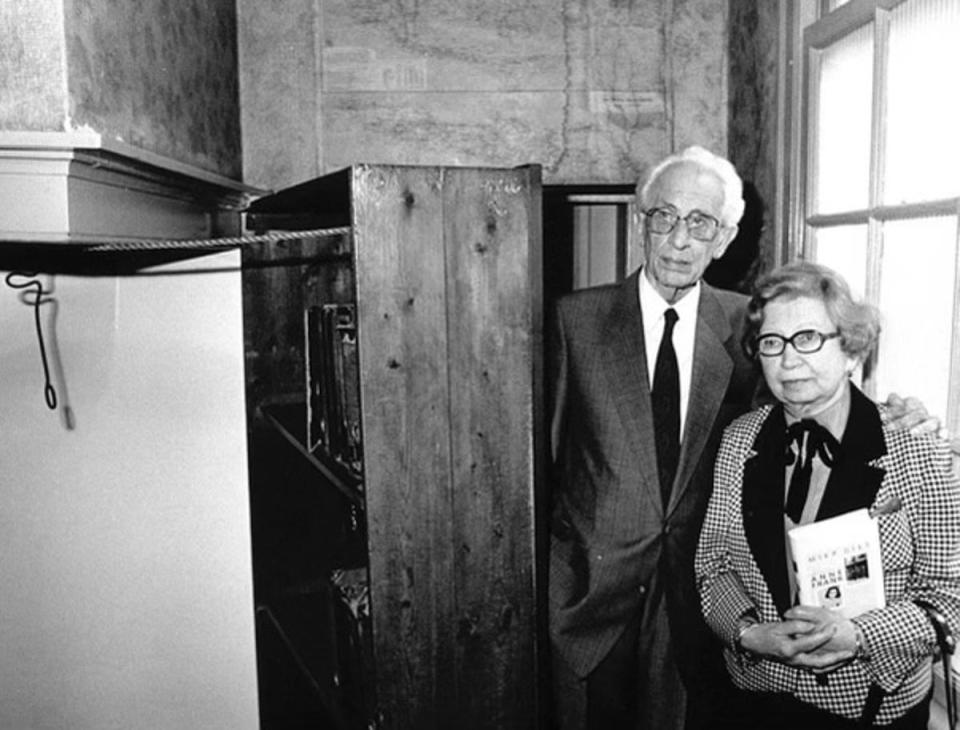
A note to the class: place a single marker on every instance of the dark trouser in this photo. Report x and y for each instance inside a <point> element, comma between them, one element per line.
<point>662,673</point>
<point>785,712</point>
<point>612,686</point>
<point>638,685</point>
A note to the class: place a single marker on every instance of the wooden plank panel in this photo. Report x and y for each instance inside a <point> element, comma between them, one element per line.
<point>493,349</point>
<point>404,392</point>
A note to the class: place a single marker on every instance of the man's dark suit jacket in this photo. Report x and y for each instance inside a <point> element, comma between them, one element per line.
<point>615,549</point>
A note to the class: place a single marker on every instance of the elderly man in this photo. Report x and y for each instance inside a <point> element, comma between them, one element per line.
<point>644,375</point>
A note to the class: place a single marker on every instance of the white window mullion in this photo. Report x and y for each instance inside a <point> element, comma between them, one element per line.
<point>878,133</point>
<point>874,266</point>
<point>953,397</point>
<point>793,99</point>
<point>811,170</point>
<point>874,263</point>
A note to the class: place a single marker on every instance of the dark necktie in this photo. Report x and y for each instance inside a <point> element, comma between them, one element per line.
<point>819,442</point>
<point>665,399</point>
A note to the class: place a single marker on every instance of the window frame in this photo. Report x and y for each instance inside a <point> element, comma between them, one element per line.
<point>807,28</point>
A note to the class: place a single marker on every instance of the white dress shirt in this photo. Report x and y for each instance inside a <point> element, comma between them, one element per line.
<point>652,307</point>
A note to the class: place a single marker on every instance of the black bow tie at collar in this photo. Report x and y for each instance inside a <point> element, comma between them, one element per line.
<point>819,442</point>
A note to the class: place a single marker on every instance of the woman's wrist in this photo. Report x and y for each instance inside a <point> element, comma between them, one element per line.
<point>860,650</point>
<point>745,624</point>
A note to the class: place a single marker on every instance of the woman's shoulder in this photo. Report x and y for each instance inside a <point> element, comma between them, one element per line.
<point>751,421</point>
<point>744,429</point>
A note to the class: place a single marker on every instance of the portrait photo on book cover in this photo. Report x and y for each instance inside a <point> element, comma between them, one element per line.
<point>831,597</point>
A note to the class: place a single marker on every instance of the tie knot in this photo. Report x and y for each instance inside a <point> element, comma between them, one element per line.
<point>670,318</point>
<point>796,430</point>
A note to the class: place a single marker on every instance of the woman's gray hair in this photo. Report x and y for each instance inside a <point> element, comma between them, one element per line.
<point>857,322</point>
<point>733,204</point>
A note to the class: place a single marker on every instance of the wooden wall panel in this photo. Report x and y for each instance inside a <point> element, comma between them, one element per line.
<point>491,339</point>
<point>404,393</point>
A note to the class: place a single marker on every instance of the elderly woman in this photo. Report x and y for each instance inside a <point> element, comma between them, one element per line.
<point>823,450</point>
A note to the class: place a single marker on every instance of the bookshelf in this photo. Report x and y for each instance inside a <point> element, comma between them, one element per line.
<point>399,362</point>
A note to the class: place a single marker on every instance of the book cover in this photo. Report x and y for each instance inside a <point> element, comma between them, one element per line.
<point>837,563</point>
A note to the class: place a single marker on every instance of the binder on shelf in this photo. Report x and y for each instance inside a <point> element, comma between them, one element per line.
<point>316,420</point>
<point>333,385</point>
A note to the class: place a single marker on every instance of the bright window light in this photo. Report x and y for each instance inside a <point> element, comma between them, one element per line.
<point>916,301</point>
<point>843,123</point>
<point>844,249</point>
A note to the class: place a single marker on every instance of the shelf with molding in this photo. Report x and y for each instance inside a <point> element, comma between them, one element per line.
<point>82,187</point>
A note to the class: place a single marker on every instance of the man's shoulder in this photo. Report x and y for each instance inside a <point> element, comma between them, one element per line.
<point>726,313</point>
<point>733,303</point>
<point>591,299</point>
<point>597,291</point>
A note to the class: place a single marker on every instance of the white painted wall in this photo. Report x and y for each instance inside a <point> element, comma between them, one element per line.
<point>126,595</point>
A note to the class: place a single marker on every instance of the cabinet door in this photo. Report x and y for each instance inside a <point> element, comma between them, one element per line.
<point>448,291</point>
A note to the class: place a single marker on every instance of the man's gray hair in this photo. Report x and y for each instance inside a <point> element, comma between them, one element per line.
<point>733,204</point>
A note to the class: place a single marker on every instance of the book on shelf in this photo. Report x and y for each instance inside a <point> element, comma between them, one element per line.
<point>837,563</point>
<point>316,386</point>
<point>332,371</point>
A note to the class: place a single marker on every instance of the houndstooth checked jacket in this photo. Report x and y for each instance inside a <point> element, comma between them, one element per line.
<point>741,562</point>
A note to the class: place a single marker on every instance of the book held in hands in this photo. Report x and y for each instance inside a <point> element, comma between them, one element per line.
<point>837,563</point>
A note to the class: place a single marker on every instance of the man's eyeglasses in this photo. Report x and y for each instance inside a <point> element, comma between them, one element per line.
<point>804,342</point>
<point>700,226</point>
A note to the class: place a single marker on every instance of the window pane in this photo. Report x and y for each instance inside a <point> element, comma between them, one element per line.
<point>916,302</point>
<point>844,249</point>
<point>595,244</point>
<point>842,131</point>
<point>923,106</point>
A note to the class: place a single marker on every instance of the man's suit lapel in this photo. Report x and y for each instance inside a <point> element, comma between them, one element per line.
<point>624,360</point>
<point>712,367</point>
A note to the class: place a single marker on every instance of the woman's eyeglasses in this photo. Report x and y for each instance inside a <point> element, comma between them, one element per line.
<point>804,342</point>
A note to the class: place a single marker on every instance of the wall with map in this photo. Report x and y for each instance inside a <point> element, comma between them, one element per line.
<point>593,90</point>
